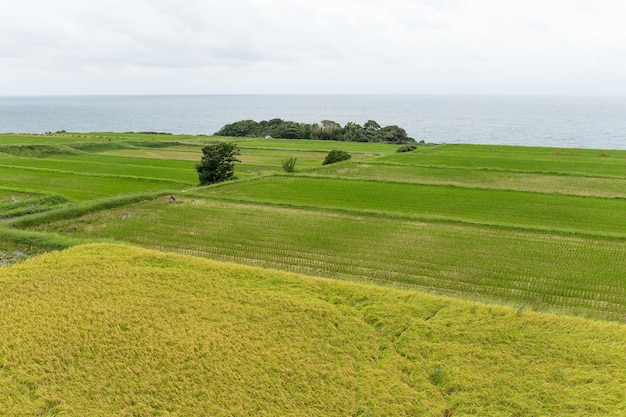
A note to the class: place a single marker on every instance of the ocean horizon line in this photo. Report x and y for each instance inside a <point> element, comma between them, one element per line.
<point>503,95</point>
<point>551,121</point>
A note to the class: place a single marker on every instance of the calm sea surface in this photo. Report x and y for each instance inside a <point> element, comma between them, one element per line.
<point>585,122</point>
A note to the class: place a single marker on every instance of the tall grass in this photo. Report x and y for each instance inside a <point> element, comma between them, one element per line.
<point>105,330</point>
<point>35,242</point>
<point>562,273</point>
<point>430,202</point>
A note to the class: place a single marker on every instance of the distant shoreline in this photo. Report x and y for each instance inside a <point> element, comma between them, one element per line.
<point>550,121</point>
<point>176,136</point>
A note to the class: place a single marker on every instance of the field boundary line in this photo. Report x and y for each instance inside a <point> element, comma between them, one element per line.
<point>42,239</point>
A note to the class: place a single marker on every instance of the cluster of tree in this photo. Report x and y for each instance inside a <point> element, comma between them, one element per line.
<point>153,133</point>
<point>325,130</point>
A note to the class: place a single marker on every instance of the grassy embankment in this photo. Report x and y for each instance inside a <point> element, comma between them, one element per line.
<point>111,330</point>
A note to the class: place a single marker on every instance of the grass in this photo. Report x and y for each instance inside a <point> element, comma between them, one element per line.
<point>516,159</point>
<point>515,237</point>
<point>13,139</point>
<point>189,152</point>
<point>568,274</point>
<point>111,330</point>
<point>581,185</point>
<point>80,187</point>
<point>431,202</point>
<point>19,202</point>
<point>102,165</point>
<point>371,149</point>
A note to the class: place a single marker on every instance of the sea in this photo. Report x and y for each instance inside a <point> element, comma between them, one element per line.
<point>597,122</point>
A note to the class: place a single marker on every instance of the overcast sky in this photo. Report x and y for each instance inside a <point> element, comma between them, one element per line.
<point>320,46</point>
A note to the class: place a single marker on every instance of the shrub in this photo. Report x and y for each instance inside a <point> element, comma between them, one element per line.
<point>336,156</point>
<point>289,164</point>
<point>407,148</point>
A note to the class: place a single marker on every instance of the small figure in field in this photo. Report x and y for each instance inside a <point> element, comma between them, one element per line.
<point>172,199</point>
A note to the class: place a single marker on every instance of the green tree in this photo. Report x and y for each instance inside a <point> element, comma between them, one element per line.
<point>288,130</point>
<point>352,132</point>
<point>315,131</point>
<point>217,163</point>
<point>371,131</point>
<point>371,125</point>
<point>394,134</point>
<point>331,130</point>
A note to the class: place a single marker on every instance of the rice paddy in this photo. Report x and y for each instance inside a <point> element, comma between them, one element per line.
<point>106,330</point>
<point>95,329</point>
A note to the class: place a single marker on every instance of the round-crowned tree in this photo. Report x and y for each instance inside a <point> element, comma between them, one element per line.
<point>217,163</point>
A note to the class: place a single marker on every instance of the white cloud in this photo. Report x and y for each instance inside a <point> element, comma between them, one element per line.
<point>344,46</point>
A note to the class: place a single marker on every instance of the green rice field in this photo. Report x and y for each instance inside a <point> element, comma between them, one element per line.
<point>431,202</point>
<point>536,228</point>
<point>524,268</point>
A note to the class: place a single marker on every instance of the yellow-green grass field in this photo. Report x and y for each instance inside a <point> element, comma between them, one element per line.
<point>522,226</point>
<point>583,185</point>
<point>14,202</point>
<point>77,187</point>
<point>435,202</point>
<point>542,271</point>
<point>86,166</point>
<point>589,162</point>
<point>110,329</point>
<point>105,330</point>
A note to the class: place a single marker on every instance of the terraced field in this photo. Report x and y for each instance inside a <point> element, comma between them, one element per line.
<point>527,269</point>
<point>551,183</point>
<point>532,227</point>
<point>429,202</point>
<point>109,328</point>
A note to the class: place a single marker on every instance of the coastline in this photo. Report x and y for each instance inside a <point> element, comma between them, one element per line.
<point>551,121</point>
